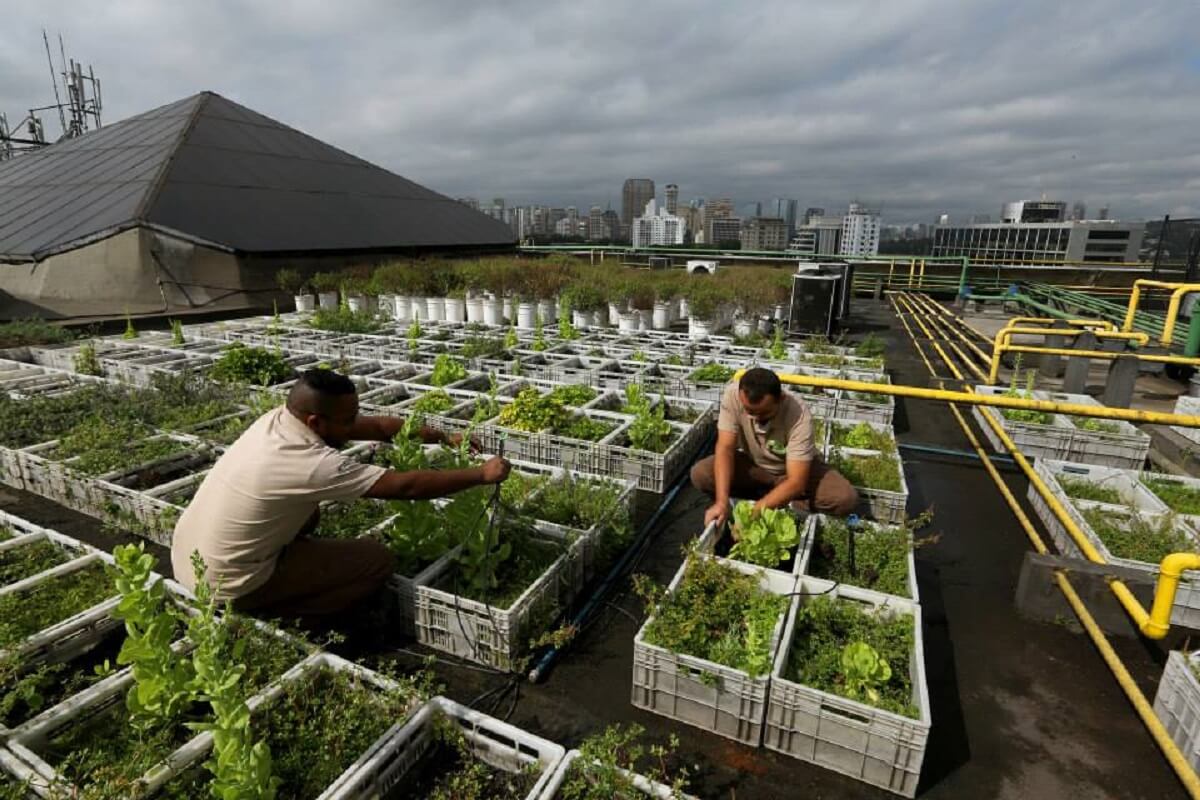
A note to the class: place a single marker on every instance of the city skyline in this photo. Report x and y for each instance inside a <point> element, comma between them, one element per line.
<point>916,108</point>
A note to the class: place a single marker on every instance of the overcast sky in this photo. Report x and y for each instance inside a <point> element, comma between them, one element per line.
<point>914,106</point>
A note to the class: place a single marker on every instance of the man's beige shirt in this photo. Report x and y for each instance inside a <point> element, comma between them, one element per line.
<point>788,437</point>
<point>256,499</point>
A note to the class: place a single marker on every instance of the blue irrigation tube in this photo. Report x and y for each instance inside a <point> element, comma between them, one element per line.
<point>581,617</point>
<point>946,451</point>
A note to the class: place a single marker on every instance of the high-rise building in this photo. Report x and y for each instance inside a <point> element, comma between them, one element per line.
<point>720,230</point>
<point>1103,213</point>
<point>553,216</point>
<point>693,222</point>
<point>764,233</point>
<point>656,227</point>
<point>614,227</point>
<point>943,219</point>
<point>596,227</point>
<point>860,232</point>
<point>566,227</point>
<point>573,213</point>
<point>1042,242</point>
<point>635,193</point>
<point>672,199</point>
<point>785,209</point>
<point>812,212</point>
<point>1079,211</point>
<point>498,209</point>
<point>819,235</point>
<point>538,221</point>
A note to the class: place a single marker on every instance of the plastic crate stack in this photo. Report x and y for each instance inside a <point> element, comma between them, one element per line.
<point>872,745</point>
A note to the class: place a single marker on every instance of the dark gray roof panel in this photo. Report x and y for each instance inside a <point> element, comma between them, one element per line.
<point>213,169</point>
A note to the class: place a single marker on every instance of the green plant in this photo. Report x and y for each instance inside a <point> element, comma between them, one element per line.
<point>446,370</point>
<point>1137,538</point>
<point>532,411</point>
<point>244,364</point>
<point>1094,425</point>
<point>779,349</point>
<point>826,626</point>
<point>712,373</point>
<point>20,333</point>
<point>510,338</point>
<point>605,759</point>
<point>864,672</point>
<point>1178,496</point>
<point>868,471</point>
<point>876,558</point>
<point>130,331</point>
<point>766,537</point>
<point>18,563</point>
<point>539,335</point>
<point>177,332</point>
<point>455,772</point>
<point>566,330</point>
<point>434,402</point>
<point>241,766</point>
<point>1029,416</point>
<point>86,360</point>
<point>573,394</point>
<point>342,320</point>
<point>99,445</point>
<point>414,334</point>
<point>649,429</point>
<point>408,447</point>
<point>326,281</point>
<point>870,347</point>
<point>715,613</point>
<point>291,281</point>
<point>862,437</point>
<point>164,683</point>
<point>52,600</point>
<point>1082,489</point>
<point>418,535</point>
<point>350,520</point>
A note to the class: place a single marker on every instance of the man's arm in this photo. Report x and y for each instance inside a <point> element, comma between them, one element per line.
<point>384,429</point>
<point>426,484</point>
<point>792,487</point>
<point>723,460</point>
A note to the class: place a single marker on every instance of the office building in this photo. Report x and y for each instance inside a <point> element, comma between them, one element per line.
<point>1079,211</point>
<point>785,209</point>
<point>616,231</point>
<point>597,230</point>
<point>656,227</point>
<point>721,207</point>
<point>635,193</point>
<point>860,232</point>
<point>818,235</point>
<point>1034,211</point>
<point>812,212</point>
<point>722,230</point>
<point>1042,242</point>
<point>672,199</point>
<point>764,233</point>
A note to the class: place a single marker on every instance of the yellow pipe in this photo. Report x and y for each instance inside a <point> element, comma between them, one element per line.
<point>927,302</point>
<point>912,307</point>
<point>946,313</point>
<point>1078,323</point>
<point>1003,338</point>
<point>1186,775</point>
<point>1178,290</point>
<point>1105,354</point>
<point>912,267</point>
<point>921,276</point>
<point>1173,311</point>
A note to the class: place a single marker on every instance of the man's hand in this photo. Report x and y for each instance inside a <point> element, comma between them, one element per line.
<point>455,440</point>
<point>495,470</point>
<point>717,512</point>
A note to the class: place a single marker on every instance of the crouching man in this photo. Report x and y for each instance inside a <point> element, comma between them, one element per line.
<point>765,452</point>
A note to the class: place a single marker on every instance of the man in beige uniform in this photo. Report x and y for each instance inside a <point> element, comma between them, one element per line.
<point>249,518</point>
<point>765,452</point>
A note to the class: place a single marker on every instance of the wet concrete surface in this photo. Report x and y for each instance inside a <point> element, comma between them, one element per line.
<point>1021,709</point>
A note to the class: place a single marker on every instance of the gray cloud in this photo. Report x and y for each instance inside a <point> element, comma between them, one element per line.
<point>917,106</point>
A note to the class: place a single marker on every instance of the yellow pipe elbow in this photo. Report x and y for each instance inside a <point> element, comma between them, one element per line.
<point>1169,572</point>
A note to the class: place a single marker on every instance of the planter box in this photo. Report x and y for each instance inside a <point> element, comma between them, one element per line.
<point>1125,448</point>
<point>1177,704</point>
<point>483,633</point>
<point>883,505</point>
<point>1183,480</point>
<point>404,588</point>
<point>69,548</point>
<point>641,784</point>
<point>682,687</point>
<point>711,536</point>
<point>1184,404</point>
<point>852,406</point>
<point>655,472</point>
<point>498,744</point>
<point>809,543</point>
<point>871,745</point>
<point>1034,441</point>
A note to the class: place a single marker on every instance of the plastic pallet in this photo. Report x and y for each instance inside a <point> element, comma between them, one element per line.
<point>497,743</point>
<point>682,688</point>
<point>863,742</point>
<point>1177,704</point>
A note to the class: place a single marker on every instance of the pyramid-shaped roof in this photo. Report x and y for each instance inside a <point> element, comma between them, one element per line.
<point>213,171</point>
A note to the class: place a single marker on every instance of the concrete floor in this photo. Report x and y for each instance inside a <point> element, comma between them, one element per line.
<point>1022,710</point>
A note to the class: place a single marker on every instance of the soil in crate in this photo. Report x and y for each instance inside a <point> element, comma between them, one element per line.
<point>316,729</point>
<point>24,613</point>
<point>825,626</point>
<point>1179,497</point>
<point>449,770</point>
<point>880,556</point>
<point>28,690</point>
<point>18,563</point>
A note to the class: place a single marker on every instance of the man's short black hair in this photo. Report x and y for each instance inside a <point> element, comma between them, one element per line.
<point>316,391</point>
<point>759,382</point>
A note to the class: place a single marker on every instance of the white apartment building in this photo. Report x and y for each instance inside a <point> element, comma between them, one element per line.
<point>860,232</point>
<point>656,227</point>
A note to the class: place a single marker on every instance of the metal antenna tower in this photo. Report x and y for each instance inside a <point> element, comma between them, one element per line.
<point>78,114</point>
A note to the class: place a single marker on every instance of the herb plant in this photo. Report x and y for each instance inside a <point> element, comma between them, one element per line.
<point>880,472</point>
<point>870,347</point>
<point>601,772</point>
<point>574,394</point>
<point>20,562</point>
<point>25,612</point>
<point>779,349</point>
<point>446,370</point>
<point>452,771</point>
<point>766,538</point>
<point>716,613</point>
<point>1138,538</point>
<point>1094,425</point>
<point>243,364</point>
<point>1021,414</point>
<point>1083,489</point>
<point>417,536</point>
<point>342,320</point>
<point>880,555</point>
<point>23,332</point>
<point>86,360</point>
<point>649,429</point>
<point>1178,496</point>
<point>862,437</point>
<point>533,412</point>
<point>712,373</point>
<point>826,627</point>
<point>435,402</point>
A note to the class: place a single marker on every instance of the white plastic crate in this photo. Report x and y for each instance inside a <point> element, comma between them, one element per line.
<point>884,506</point>
<point>1034,441</point>
<point>498,744</point>
<point>809,543</point>
<point>483,633</point>
<point>70,548</point>
<point>871,745</point>
<point>708,539</point>
<point>653,472</point>
<point>1183,480</point>
<point>1124,448</point>
<point>1177,704</point>
<point>855,406</point>
<point>699,692</point>
<point>404,588</point>
<point>883,428</point>
<point>1189,406</point>
<point>640,783</point>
